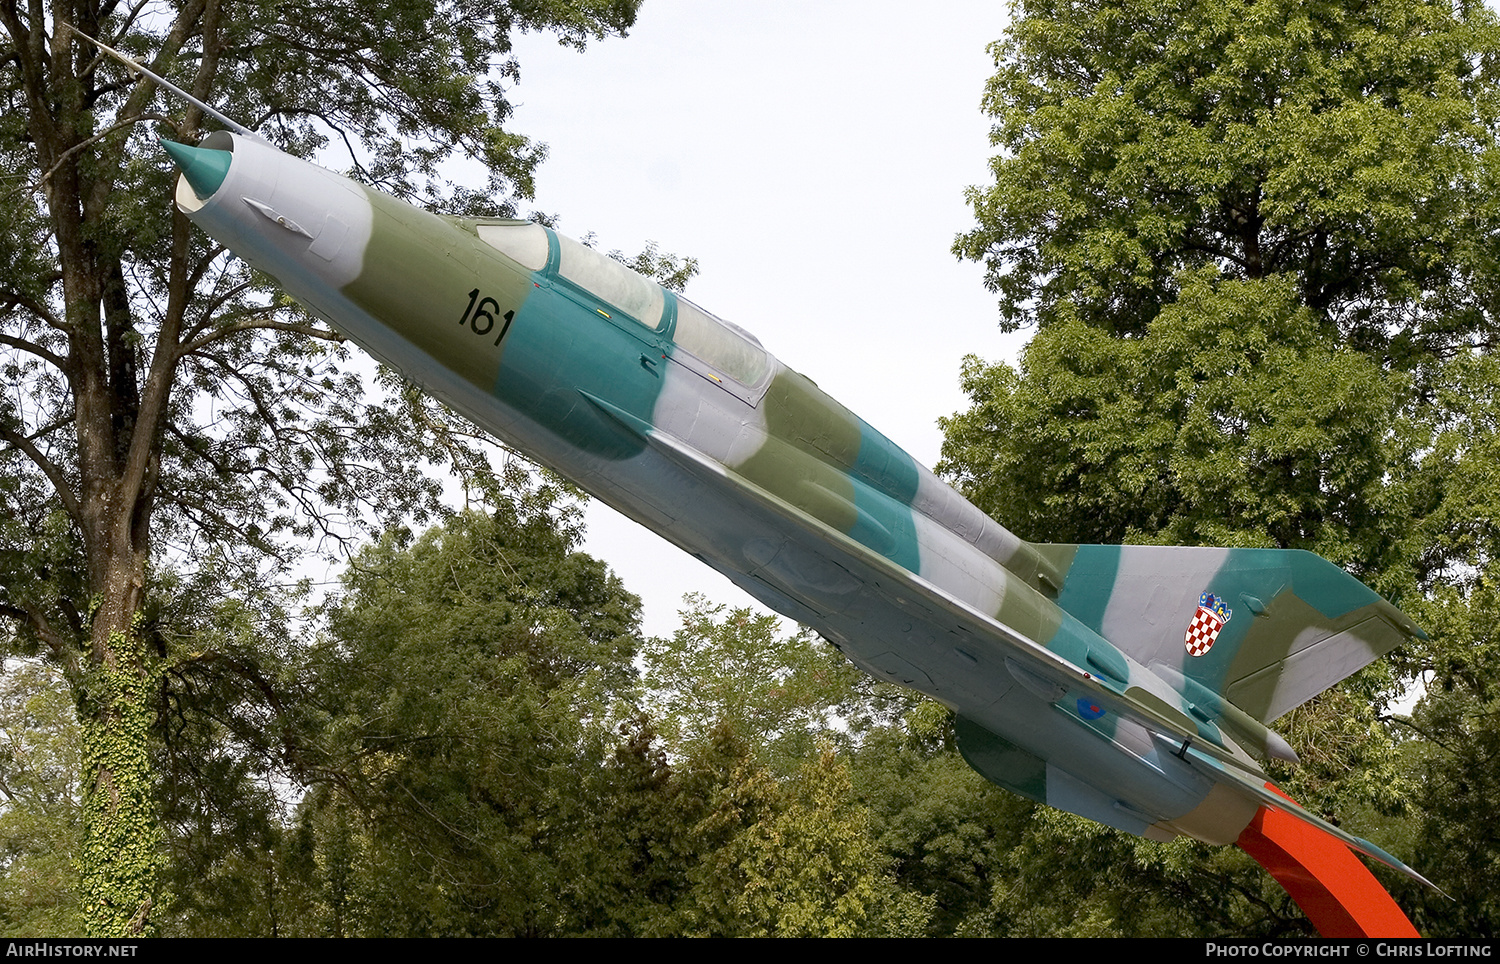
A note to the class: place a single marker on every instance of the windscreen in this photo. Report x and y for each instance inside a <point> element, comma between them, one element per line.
<point>524,243</point>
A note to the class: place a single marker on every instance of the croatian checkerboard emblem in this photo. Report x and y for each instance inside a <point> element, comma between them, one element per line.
<point>1211,616</point>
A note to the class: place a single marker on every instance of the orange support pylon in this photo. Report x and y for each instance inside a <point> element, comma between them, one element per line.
<point>1333,887</point>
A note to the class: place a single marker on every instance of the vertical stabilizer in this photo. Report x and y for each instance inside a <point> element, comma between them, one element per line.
<point>1265,629</point>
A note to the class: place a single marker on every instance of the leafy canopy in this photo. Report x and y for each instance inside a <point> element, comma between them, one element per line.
<point>1342,145</point>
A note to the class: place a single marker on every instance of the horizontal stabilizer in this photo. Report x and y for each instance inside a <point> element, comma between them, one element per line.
<point>1266,629</point>
<point>1270,797</point>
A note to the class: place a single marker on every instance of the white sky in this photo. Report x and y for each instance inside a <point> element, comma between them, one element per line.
<point>813,157</point>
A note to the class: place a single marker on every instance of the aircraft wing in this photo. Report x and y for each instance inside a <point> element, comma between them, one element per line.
<point>915,595</point>
<point>911,592</point>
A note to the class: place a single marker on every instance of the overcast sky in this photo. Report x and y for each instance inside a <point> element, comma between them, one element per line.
<point>813,156</point>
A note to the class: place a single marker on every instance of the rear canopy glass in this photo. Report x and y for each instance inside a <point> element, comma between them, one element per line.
<point>717,343</point>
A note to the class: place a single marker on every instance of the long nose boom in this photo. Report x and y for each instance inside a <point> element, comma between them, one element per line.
<point>204,167</point>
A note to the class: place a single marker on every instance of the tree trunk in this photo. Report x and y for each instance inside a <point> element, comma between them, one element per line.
<point>121,857</point>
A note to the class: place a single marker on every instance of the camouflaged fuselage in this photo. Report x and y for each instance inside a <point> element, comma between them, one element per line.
<point>1065,664</point>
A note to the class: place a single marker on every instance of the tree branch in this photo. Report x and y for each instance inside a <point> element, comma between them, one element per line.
<point>64,654</point>
<point>50,469</point>
<point>90,141</point>
<point>57,361</point>
<point>218,334</point>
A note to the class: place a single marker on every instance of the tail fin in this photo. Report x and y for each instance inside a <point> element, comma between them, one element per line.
<point>1265,629</point>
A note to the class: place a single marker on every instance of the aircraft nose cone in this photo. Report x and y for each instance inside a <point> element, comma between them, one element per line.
<point>204,167</point>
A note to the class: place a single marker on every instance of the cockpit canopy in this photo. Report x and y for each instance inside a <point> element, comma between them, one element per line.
<point>727,347</point>
<point>613,283</point>
<point>724,347</point>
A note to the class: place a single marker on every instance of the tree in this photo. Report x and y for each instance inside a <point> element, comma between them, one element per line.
<point>1453,752</point>
<point>476,676</point>
<point>38,802</point>
<point>1341,146</point>
<point>942,825</point>
<point>804,864</point>
<point>739,819</point>
<point>779,692</point>
<point>1258,243</point>
<point>164,409</point>
<point>466,689</point>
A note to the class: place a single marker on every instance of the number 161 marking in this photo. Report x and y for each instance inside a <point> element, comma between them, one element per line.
<point>479,312</point>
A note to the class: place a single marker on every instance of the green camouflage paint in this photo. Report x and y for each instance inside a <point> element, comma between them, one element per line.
<point>404,239</point>
<point>1001,761</point>
<point>822,459</point>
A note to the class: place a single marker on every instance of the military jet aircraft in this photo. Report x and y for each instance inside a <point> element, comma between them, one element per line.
<point>1130,685</point>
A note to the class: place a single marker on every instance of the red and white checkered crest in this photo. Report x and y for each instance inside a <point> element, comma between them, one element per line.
<point>1207,622</point>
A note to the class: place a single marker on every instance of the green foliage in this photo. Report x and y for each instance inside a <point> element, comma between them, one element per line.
<point>719,845</point>
<point>737,669</point>
<point>120,853</point>
<point>39,803</point>
<point>669,270</point>
<point>1455,754</point>
<point>1072,877</point>
<point>1452,749</point>
<point>808,867</point>
<point>940,823</point>
<point>742,820</point>
<point>463,692</point>
<point>1340,145</point>
<point>1258,243</point>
